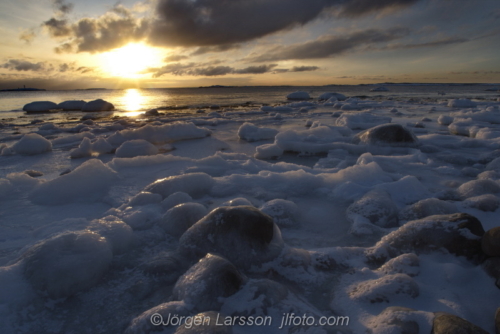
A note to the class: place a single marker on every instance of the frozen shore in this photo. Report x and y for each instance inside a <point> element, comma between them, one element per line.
<point>382,211</point>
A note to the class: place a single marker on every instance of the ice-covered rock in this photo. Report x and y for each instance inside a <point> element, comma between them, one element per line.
<point>461,103</point>
<point>83,150</point>
<point>328,96</point>
<point>458,233</point>
<point>401,320</point>
<point>88,182</point>
<point>427,207</point>
<point>72,105</point>
<point>486,202</point>
<point>361,121</point>
<point>389,288</point>
<point>445,323</point>
<point>387,135</point>
<point>160,134</point>
<point>250,132</point>
<point>144,198</point>
<point>408,264</point>
<point>377,207</point>
<point>207,322</point>
<point>298,96</point>
<point>494,165</point>
<point>67,263</point>
<point>148,321</point>
<point>135,148</point>
<point>39,106</point>
<point>178,219</point>
<point>193,184</point>
<point>237,202</point>
<point>101,146</point>
<point>311,141</point>
<point>445,120</point>
<point>490,243</point>
<point>268,151</point>
<point>205,283</point>
<point>98,105</point>
<point>477,188</point>
<point>31,144</point>
<point>175,199</point>
<point>118,234</point>
<point>242,234</point>
<point>284,213</point>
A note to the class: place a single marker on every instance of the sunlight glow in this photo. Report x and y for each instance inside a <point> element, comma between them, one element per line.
<point>129,61</point>
<point>132,102</point>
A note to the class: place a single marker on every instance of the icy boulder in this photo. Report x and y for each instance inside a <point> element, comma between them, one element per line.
<point>31,144</point>
<point>87,183</point>
<point>461,103</point>
<point>284,213</point>
<point>193,184</point>
<point>205,283</point>
<point>445,323</point>
<point>401,320</point>
<point>143,323</point>
<point>250,132</point>
<point>181,217</point>
<point>237,202</point>
<point>73,105</point>
<point>144,198</point>
<point>268,151</point>
<point>387,289</point>
<point>160,134</point>
<point>328,96</point>
<point>387,135</point>
<point>98,105</point>
<point>486,202</point>
<point>298,96</point>
<point>39,106</point>
<point>83,150</point>
<point>377,207</point>
<point>427,207</point>
<point>242,234</point>
<point>477,188</point>
<point>135,148</point>
<point>445,120</point>
<point>361,121</point>
<point>408,264</point>
<point>175,199</point>
<point>118,234</point>
<point>67,263</point>
<point>101,146</point>
<point>458,233</point>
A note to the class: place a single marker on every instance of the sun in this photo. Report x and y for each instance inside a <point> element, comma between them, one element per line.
<point>130,60</point>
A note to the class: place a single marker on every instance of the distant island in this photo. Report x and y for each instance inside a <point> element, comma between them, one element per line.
<point>216,86</point>
<point>24,89</point>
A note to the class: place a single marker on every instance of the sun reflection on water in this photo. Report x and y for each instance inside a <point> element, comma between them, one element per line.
<point>133,102</point>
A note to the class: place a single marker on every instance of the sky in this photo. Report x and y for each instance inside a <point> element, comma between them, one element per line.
<point>64,44</point>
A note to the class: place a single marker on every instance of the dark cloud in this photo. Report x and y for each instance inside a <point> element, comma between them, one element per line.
<point>256,69</point>
<point>23,65</point>
<point>435,43</point>
<point>304,68</point>
<point>354,8</point>
<point>217,48</point>
<point>175,58</point>
<point>57,28</point>
<point>329,45</point>
<point>62,7</point>
<point>211,71</point>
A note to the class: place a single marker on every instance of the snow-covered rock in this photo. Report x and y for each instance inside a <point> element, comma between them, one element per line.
<point>477,188</point>
<point>135,148</point>
<point>181,217</point>
<point>83,150</point>
<point>98,105</point>
<point>31,144</point>
<point>250,132</point>
<point>387,135</point>
<point>427,207</point>
<point>377,207</point>
<point>101,146</point>
<point>72,105</point>
<point>361,121</point>
<point>268,151</point>
<point>445,120</point>
<point>388,289</point>
<point>40,106</point>
<point>328,96</point>
<point>284,213</point>
<point>461,103</point>
<point>298,96</point>
<point>193,184</point>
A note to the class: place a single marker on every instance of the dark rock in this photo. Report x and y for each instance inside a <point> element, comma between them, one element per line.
<point>490,243</point>
<point>445,323</point>
<point>242,234</point>
<point>33,173</point>
<point>178,219</point>
<point>376,206</point>
<point>458,233</point>
<point>387,134</point>
<point>208,280</point>
<point>497,321</point>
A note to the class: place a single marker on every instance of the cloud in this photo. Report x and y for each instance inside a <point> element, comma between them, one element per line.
<point>62,7</point>
<point>304,68</point>
<point>217,48</point>
<point>27,36</point>
<point>174,58</point>
<point>435,43</point>
<point>23,65</point>
<point>256,69</point>
<point>57,28</point>
<point>329,45</point>
<point>354,8</point>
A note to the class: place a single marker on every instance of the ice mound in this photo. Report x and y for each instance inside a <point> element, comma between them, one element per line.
<point>387,135</point>
<point>118,234</point>
<point>193,184</point>
<point>250,132</point>
<point>98,105</point>
<point>389,288</point>
<point>67,263</point>
<point>377,207</point>
<point>181,217</point>
<point>135,148</point>
<point>406,190</point>
<point>142,324</point>
<point>408,264</point>
<point>445,120</point>
<point>205,283</point>
<point>39,106</point>
<point>477,188</point>
<point>242,234</point>
<point>458,233</point>
<point>88,182</point>
<point>144,198</point>
<point>361,121</point>
<point>401,320</point>
<point>237,202</point>
<point>284,213</point>
<point>268,151</point>
<point>72,105</point>
<point>175,199</point>
<point>461,103</point>
<point>311,141</point>
<point>101,146</point>
<point>298,96</point>
<point>493,165</point>
<point>427,207</point>
<point>160,134</point>
<point>486,202</point>
<point>83,150</point>
<point>31,144</point>
<point>328,96</point>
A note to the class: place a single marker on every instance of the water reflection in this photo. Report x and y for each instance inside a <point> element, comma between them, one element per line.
<point>133,101</point>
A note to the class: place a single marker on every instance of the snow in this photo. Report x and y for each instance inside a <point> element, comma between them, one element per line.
<point>361,120</point>
<point>40,106</point>
<point>31,144</point>
<point>98,105</point>
<point>250,132</point>
<point>135,148</point>
<point>328,97</point>
<point>461,103</point>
